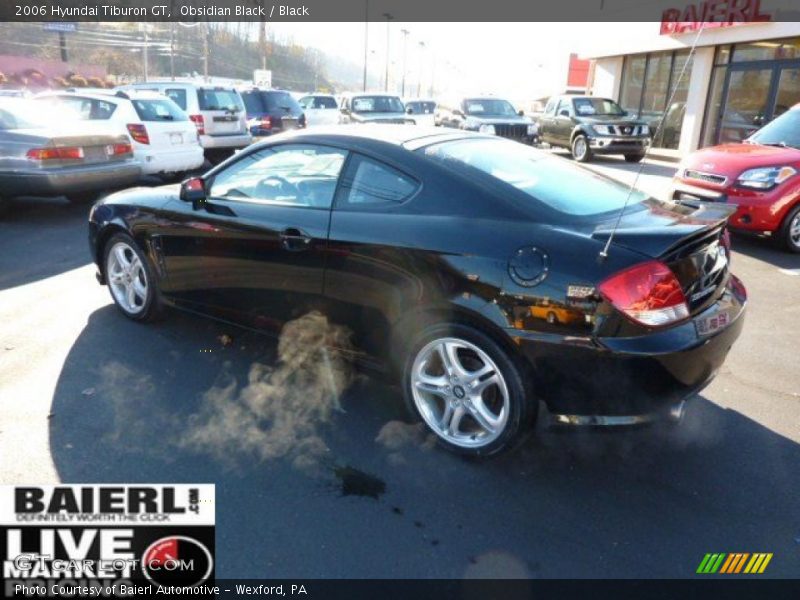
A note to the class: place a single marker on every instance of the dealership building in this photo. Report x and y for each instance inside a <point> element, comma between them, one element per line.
<point>741,76</point>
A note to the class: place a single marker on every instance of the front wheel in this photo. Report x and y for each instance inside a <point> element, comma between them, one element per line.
<point>634,158</point>
<point>789,233</point>
<point>467,390</point>
<point>580,148</point>
<point>130,279</point>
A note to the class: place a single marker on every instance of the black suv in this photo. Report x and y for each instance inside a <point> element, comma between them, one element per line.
<point>271,111</point>
<point>589,125</point>
<point>486,115</point>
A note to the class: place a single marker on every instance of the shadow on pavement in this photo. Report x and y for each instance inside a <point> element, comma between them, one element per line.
<point>379,500</point>
<point>765,250</point>
<point>41,237</point>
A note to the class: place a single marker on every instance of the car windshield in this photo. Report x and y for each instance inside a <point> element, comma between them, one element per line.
<point>159,110</point>
<point>219,99</point>
<point>589,107</point>
<point>377,104</point>
<point>484,107</point>
<point>550,179</point>
<point>421,108</point>
<point>783,131</point>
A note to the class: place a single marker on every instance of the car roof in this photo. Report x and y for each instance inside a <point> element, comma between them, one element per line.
<point>380,94</point>
<point>407,136</point>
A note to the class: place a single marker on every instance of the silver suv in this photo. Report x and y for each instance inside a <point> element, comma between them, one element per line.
<point>217,112</point>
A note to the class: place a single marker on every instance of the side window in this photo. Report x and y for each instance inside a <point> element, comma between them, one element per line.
<point>371,184</point>
<point>293,175</point>
<point>551,107</point>
<point>564,105</point>
<point>178,96</point>
<point>305,102</point>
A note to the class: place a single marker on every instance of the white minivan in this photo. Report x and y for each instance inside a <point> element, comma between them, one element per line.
<point>164,140</point>
<point>217,112</point>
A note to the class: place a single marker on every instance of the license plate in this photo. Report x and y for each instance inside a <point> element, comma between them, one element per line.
<point>176,138</point>
<point>712,324</point>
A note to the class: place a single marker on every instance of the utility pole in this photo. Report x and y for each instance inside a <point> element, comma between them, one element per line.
<point>433,74</point>
<point>172,51</point>
<point>405,33</point>
<point>366,41</point>
<point>388,18</point>
<point>145,51</point>
<point>205,52</point>
<point>419,79</point>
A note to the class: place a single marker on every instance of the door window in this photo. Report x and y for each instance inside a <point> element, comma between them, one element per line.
<point>563,105</point>
<point>371,184</point>
<point>293,175</point>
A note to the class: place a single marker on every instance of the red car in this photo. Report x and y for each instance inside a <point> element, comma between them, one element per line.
<point>761,176</point>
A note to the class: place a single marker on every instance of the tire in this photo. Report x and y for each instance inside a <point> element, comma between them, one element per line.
<point>123,259</point>
<point>634,158</point>
<point>580,149</point>
<point>479,423</point>
<point>789,233</point>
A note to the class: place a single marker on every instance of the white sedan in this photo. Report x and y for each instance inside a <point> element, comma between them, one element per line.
<point>163,137</point>
<point>320,109</point>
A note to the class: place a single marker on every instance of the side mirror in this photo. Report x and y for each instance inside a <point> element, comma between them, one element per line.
<point>563,113</point>
<point>521,113</point>
<point>193,190</point>
<point>458,113</point>
<point>409,111</point>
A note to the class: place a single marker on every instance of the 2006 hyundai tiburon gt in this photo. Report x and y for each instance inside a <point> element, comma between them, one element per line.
<point>474,265</point>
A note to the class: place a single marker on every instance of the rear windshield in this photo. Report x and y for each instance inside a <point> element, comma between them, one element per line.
<point>219,99</point>
<point>159,110</point>
<point>783,131</point>
<point>20,114</point>
<point>377,104</point>
<point>318,102</point>
<point>257,102</point>
<point>552,180</point>
<point>178,96</point>
<point>422,108</point>
<point>86,109</point>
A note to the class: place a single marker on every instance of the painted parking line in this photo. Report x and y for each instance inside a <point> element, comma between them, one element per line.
<point>790,271</point>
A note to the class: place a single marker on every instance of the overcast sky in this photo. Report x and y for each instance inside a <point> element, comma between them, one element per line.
<point>518,60</point>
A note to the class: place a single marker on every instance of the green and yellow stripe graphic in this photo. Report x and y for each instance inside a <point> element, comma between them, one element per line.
<point>736,562</point>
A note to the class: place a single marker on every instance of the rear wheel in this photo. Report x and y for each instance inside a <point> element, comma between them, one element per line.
<point>789,233</point>
<point>580,148</point>
<point>467,390</point>
<point>130,279</point>
<point>634,158</point>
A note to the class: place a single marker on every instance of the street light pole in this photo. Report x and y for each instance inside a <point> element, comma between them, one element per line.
<point>366,41</point>
<point>388,18</point>
<point>419,76</point>
<point>405,33</point>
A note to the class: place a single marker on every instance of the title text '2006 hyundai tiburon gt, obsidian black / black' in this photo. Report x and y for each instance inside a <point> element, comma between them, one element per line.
<point>472,265</point>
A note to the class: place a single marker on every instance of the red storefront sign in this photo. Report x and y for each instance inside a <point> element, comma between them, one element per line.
<point>714,13</point>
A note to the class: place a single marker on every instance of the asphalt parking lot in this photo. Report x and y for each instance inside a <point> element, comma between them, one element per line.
<point>348,488</point>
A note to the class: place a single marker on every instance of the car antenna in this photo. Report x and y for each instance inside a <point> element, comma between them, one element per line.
<point>604,252</point>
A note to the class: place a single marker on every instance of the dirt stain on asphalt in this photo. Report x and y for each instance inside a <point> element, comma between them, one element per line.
<point>358,483</point>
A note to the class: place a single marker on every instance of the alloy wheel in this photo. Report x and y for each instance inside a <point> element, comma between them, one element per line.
<point>127,278</point>
<point>794,231</point>
<point>580,147</point>
<point>460,392</point>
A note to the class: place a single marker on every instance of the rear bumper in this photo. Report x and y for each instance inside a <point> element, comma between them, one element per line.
<point>631,380</point>
<point>238,140</point>
<point>171,161</point>
<point>70,180</point>
<point>612,145</point>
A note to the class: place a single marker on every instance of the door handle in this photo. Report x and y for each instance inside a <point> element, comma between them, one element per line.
<point>295,240</point>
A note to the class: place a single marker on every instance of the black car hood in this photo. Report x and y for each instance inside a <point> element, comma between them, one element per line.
<point>153,197</point>
<point>653,228</point>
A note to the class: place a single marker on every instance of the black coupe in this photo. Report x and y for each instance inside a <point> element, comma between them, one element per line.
<point>473,265</point>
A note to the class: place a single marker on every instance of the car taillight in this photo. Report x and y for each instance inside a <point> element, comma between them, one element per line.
<point>266,122</point>
<point>66,152</point>
<point>138,133</point>
<point>199,122</point>
<point>648,293</point>
<point>117,149</point>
